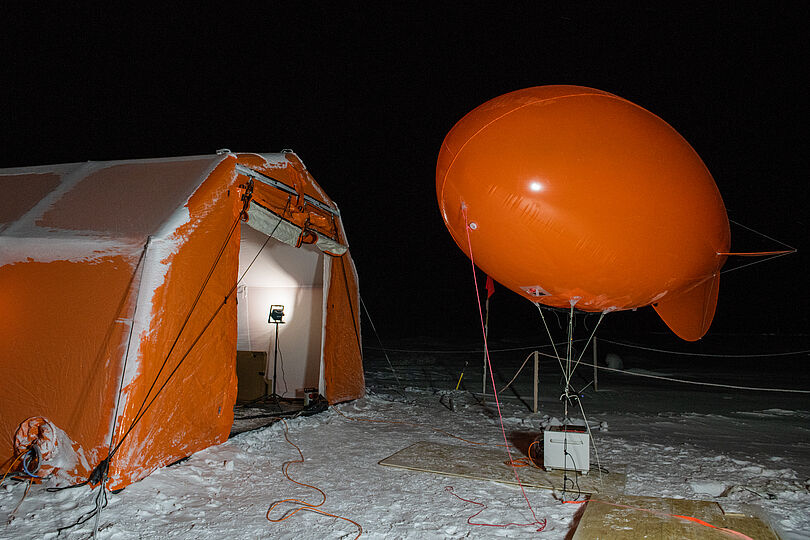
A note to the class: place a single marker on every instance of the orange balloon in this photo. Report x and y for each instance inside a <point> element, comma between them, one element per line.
<point>573,196</point>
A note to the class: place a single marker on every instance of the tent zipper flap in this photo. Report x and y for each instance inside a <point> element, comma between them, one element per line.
<point>247,171</point>
<point>264,220</point>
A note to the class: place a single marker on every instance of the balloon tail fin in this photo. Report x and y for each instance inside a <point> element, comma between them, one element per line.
<point>690,314</point>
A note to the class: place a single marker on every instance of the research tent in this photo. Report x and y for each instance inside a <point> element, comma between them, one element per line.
<point>118,296</point>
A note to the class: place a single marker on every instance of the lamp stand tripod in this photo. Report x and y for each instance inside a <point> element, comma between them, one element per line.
<point>274,396</point>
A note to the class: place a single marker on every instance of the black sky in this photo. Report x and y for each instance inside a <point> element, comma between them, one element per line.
<point>365,94</point>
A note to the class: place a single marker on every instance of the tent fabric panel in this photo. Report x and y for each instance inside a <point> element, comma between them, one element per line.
<point>27,190</point>
<point>327,278</point>
<point>343,359</point>
<point>267,222</point>
<point>288,168</point>
<point>330,247</point>
<point>195,409</point>
<point>270,224</point>
<point>277,264</point>
<point>314,224</point>
<point>130,199</point>
<point>306,219</point>
<point>62,341</point>
<point>244,340</point>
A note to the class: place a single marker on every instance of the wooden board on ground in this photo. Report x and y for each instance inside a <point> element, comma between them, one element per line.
<point>625,517</point>
<point>484,463</point>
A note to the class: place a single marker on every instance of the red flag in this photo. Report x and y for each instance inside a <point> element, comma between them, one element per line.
<point>490,287</point>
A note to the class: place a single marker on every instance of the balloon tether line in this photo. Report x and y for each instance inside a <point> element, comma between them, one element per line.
<point>536,521</point>
<point>590,338</point>
<point>568,372</point>
<point>550,338</point>
<point>568,364</point>
<point>768,255</point>
<point>788,246</point>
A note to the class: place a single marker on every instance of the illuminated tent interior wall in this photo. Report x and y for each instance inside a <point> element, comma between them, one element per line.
<point>118,300</point>
<point>291,277</point>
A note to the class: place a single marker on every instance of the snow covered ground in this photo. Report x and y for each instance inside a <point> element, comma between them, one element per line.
<point>676,441</point>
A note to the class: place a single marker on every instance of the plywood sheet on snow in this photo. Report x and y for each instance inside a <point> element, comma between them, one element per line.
<point>625,517</point>
<point>482,463</point>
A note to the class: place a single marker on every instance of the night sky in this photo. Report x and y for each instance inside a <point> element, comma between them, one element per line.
<point>365,94</point>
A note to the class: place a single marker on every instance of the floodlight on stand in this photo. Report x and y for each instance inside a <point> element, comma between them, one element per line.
<point>276,314</point>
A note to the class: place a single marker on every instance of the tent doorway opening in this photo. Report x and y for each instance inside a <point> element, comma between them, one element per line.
<point>291,277</point>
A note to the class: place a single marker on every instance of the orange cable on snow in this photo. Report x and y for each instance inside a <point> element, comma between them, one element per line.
<point>542,523</point>
<point>519,462</point>
<point>731,532</point>
<point>527,461</point>
<point>449,489</point>
<point>529,453</point>
<point>13,462</point>
<point>305,506</point>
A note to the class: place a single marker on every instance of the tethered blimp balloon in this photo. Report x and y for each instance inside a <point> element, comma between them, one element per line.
<point>573,196</point>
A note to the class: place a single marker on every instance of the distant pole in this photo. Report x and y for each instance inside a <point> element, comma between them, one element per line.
<point>536,378</point>
<point>595,358</point>
<point>486,335</point>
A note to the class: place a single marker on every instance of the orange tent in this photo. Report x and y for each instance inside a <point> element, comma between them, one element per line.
<point>119,292</point>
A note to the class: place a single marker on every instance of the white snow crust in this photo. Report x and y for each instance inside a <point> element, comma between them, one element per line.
<point>733,448</point>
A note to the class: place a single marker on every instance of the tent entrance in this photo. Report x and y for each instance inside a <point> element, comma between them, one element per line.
<point>294,278</point>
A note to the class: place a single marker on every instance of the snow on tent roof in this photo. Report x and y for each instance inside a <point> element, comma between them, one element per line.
<point>87,211</point>
<point>30,189</point>
<point>122,199</point>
